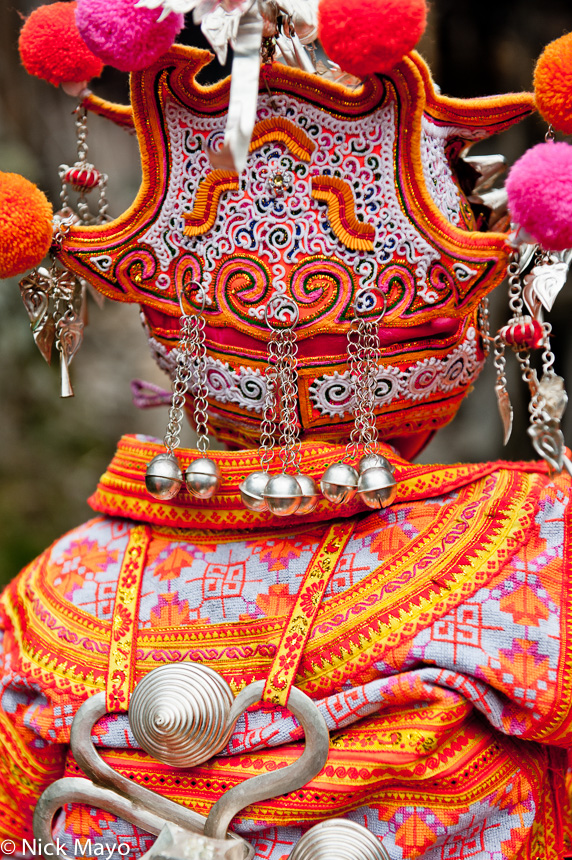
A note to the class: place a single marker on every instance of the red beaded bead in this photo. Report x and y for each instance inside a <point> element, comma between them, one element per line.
<point>526,334</point>
<point>82,177</point>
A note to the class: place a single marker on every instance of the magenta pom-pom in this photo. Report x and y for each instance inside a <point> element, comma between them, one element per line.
<point>539,188</point>
<point>372,35</point>
<point>123,35</point>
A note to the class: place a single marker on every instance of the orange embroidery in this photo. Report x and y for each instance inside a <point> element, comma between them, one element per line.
<point>203,214</point>
<point>278,128</point>
<point>341,212</point>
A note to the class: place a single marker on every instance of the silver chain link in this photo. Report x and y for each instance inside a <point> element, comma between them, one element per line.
<point>280,417</point>
<point>483,322</point>
<point>363,350</point>
<point>200,388</point>
<point>181,381</point>
<point>82,207</point>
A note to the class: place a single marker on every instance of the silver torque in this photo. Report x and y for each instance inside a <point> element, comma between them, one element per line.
<point>282,781</point>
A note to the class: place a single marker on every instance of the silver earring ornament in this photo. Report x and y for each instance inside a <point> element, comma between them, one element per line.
<point>373,479</point>
<point>535,278</point>
<point>83,177</point>
<point>164,477</point>
<point>55,301</point>
<point>282,494</point>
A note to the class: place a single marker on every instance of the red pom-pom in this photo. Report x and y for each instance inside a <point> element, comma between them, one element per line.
<point>539,188</point>
<point>25,225</point>
<point>124,35</point>
<point>553,84</point>
<point>370,35</point>
<point>52,48</point>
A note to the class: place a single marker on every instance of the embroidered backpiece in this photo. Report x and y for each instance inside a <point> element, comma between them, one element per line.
<point>343,189</point>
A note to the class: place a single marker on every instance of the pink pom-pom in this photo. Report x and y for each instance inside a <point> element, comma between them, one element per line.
<point>372,35</point>
<point>539,188</point>
<point>123,35</point>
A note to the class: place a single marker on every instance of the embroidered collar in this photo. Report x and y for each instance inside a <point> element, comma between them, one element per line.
<point>121,491</point>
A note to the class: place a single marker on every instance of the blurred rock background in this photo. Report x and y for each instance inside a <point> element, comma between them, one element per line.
<point>51,450</point>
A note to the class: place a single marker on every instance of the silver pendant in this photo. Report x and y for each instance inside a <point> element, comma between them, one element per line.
<point>339,839</point>
<point>553,394</point>
<point>548,280</point>
<point>69,338</point>
<point>505,411</point>
<point>548,443</point>
<point>35,290</point>
<point>176,843</point>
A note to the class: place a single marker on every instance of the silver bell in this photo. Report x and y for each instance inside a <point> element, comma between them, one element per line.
<point>373,461</point>
<point>252,490</point>
<point>163,477</point>
<point>282,495</point>
<point>339,483</point>
<point>309,494</point>
<point>203,478</point>
<point>377,487</point>
<point>341,839</point>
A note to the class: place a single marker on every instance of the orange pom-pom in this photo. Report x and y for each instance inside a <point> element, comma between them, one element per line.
<point>370,35</point>
<point>25,225</point>
<point>52,48</point>
<point>553,84</point>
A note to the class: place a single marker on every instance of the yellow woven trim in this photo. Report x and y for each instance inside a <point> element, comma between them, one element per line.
<point>296,632</point>
<point>125,622</point>
<point>451,560</point>
<point>278,128</point>
<point>341,212</point>
<point>203,214</point>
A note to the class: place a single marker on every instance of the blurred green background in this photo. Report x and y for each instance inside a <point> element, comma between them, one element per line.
<point>51,450</point>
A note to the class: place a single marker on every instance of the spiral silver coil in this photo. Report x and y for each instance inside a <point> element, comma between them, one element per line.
<point>178,713</point>
<point>341,839</point>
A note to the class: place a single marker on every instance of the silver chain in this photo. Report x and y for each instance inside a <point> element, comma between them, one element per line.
<point>500,361</point>
<point>280,406</point>
<point>85,215</point>
<point>483,322</point>
<point>363,359</point>
<point>200,388</point>
<point>181,381</point>
<point>287,381</point>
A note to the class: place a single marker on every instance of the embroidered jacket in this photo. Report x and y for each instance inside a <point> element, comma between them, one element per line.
<point>439,655</point>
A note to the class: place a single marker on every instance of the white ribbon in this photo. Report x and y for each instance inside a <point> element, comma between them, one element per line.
<point>240,23</point>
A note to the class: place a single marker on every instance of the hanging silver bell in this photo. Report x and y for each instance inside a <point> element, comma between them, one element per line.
<point>373,461</point>
<point>252,491</point>
<point>282,495</point>
<point>163,477</point>
<point>341,839</point>
<point>309,494</point>
<point>203,478</point>
<point>339,483</point>
<point>377,487</point>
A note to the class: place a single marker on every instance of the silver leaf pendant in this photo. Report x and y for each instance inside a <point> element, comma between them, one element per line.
<point>35,290</point>
<point>548,443</point>
<point>505,410</point>
<point>70,334</point>
<point>548,280</point>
